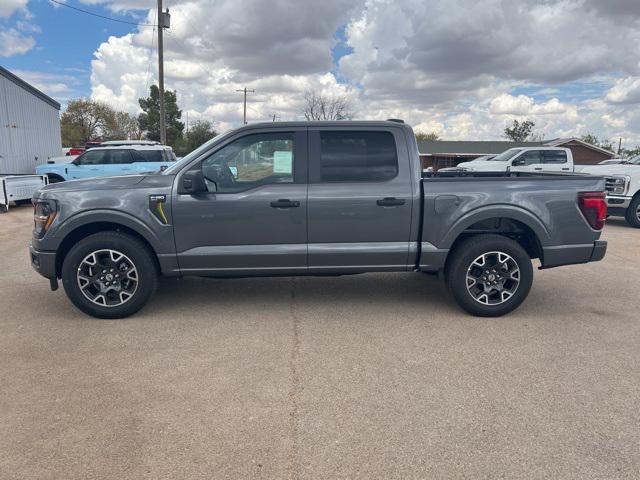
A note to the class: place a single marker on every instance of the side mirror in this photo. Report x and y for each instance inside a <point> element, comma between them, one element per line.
<point>192,182</point>
<point>518,162</point>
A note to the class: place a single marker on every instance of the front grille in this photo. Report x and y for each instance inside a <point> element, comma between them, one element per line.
<point>613,185</point>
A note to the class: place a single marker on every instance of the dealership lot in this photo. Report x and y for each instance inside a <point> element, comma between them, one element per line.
<point>370,376</point>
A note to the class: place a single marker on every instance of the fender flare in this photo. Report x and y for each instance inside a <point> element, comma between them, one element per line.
<point>105,216</point>
<point>497,211</point>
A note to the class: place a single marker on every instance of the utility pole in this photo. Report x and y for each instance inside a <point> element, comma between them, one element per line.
<point>244,116</point>
<point>275,117</point>
<point>620,146</point>
<point>163,22</point>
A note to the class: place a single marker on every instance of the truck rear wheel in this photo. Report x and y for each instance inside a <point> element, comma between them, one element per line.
<point>109,275</point>
<point>633,212</point>
<point>489,275</point>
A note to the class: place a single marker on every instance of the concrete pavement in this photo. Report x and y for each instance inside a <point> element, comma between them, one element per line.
<point>370,376</point>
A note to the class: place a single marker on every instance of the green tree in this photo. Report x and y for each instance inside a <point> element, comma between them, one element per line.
<point>427,136</point>
<point>149,120</point>
<point>519,131</point>
<point>200,132</point>
<point>85,120</point>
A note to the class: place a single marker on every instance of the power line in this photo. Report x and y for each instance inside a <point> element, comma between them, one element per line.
<point>101,16</point>
<point>153,37</point>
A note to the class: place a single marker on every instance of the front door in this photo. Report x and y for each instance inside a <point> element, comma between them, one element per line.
<point>253,219</point>
<point>360,200</point>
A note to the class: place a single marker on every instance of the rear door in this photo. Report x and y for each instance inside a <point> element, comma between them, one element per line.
<point>360,200</point>
<point>253,219</point>
<point>555,161</point>
<point>148,160</point>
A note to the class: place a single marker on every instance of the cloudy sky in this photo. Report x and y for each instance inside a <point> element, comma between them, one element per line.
<point>461,68</point>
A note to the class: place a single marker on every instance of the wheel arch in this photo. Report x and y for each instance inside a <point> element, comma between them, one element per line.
<point>518,224</point>
<point>78,228</point>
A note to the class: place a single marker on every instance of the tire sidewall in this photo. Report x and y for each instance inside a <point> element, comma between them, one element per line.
<point>137,253</point>
<point>467,252</point>
<point>631,216</point>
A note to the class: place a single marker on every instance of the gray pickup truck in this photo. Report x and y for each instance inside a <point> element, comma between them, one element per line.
<point>312,198</point>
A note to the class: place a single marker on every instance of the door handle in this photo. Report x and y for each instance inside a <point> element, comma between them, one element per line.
<point>566,169</point>
<point>285,203</point>
<point>391,202</point>
<point>539,168</point>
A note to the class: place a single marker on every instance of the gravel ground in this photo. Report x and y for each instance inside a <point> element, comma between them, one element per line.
<point>369,376</point>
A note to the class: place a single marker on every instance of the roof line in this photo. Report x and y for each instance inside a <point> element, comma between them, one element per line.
<point>30,88</point>
<point>561,141</point>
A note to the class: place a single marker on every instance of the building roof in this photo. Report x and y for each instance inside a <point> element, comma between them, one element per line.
<point>431,147</point>
<point>452,147</point>
<point>29,88</point>
<point>556,142</point>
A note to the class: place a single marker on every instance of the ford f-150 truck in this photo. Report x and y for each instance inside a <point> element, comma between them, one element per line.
<point>312,198</point>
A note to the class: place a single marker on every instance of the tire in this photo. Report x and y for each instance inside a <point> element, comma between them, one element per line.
<point>55,179</point>
<point>633,212</point>
<point>121,261</point>
<point>507,264</point>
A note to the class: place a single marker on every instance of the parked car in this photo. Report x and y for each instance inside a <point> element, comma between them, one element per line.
<point>524,159</point>
<point>108,159</point>
<point>313,198</point>
<point>623,188</point>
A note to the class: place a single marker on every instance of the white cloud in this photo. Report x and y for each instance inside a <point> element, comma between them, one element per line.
<point>625,91</point>
<point>443,66</point>
<point>13,42</point>
<point>8,7</point>
<point>523,105</point>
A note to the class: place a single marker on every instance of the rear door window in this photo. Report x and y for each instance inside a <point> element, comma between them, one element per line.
<point>118,157</point>
<point>554,156</point>
<point>147,155</point>
<point>357,156</point>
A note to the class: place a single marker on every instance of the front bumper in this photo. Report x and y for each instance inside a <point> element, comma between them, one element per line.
<point>43,262</point>
<point>572,254</point>
<point>614,201</point>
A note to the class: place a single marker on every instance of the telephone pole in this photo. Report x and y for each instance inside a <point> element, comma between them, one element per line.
<point>275,117</point>
<point>163,22</point>
<point>244,116</point>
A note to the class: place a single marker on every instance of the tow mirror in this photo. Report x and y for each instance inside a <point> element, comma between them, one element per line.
<point>518,162</point>
<point>192,182</point>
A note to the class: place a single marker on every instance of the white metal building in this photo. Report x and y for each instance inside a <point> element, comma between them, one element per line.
<point>29,126</point>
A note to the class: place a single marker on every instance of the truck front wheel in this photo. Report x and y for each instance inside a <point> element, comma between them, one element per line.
<point>489,275</point>
<point>109,275</point>
<point>633,212</point>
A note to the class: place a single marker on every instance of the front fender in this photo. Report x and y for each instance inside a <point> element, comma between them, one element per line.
<point>55,238</point>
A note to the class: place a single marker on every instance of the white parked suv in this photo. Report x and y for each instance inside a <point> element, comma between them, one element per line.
<point>623,188</point>
<point>525,159</point>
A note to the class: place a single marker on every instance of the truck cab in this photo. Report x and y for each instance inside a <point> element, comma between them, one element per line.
<point>524,159</point>
<point>109,159</point>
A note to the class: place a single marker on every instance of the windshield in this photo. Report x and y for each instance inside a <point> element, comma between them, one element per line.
<point>635,160</point>
<point>504,156</point>
<point>190,156</point>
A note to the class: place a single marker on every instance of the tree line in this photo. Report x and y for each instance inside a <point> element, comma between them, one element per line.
<point>86,120</point>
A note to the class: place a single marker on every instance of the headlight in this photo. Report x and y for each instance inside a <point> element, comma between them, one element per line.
<point>44,213</point>
<point>617,185</point>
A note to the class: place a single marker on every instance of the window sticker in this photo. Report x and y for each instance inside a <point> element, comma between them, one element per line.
<point>282,162</point>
